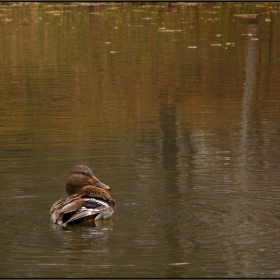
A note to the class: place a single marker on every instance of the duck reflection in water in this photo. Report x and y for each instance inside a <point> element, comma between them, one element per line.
<point>88,199</point>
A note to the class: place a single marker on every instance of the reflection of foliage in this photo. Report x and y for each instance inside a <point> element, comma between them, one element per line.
<point>66,67</point>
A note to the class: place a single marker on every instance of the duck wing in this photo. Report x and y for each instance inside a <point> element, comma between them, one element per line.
<point>83,212</point>
<point>55,210</point>
<point>75,207</point>
<point>57,204</point>
<point>72,206</point>
<point>94,208</point>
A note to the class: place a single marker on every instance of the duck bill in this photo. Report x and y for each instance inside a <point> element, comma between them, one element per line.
<point>99,184</point>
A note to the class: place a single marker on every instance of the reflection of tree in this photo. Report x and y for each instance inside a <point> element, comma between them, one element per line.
<point>250,72</point>
<point>242,176</point>
<point>167,113</point>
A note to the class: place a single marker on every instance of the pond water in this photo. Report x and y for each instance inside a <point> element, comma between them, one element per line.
<point>176,106</point>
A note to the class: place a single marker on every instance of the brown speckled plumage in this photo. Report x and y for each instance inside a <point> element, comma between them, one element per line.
<point>88,198</point>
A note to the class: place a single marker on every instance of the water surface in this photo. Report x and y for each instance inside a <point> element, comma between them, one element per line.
<point>175,106</point>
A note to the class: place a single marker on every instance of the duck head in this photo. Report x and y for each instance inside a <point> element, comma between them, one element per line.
<point>81,176</point>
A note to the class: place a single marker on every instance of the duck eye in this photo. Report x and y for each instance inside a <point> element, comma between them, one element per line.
<point>84,173</point>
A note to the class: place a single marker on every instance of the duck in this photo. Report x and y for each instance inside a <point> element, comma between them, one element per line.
<point>88,199</point>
